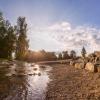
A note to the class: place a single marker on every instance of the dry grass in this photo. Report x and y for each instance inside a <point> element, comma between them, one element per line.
<point>69,83</point>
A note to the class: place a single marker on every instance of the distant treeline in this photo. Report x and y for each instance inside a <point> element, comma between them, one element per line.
<point>43,55</point>
<point>13,39</point>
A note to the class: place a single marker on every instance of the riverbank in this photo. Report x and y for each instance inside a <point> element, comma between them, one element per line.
<point>69,83</point>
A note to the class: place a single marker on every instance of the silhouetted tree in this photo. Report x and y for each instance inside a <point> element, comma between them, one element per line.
<point>60,56</point>
<point>51,56</point>
<point>83,52</point>
<point>22,42</point>
<point>73,54</point>
<point>7,38</point>
<point>3,33</point>
<point>10,40</point>
<point>65,54</point>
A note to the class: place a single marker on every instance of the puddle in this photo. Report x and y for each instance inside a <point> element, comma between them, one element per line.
<point>24,81</point>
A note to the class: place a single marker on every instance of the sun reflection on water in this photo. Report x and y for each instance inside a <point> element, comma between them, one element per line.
<point>34,78</point>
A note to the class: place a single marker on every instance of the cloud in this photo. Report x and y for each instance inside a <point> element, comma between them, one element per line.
<point>62,36</point>
<point>77,37</point>
<point>64,26</point>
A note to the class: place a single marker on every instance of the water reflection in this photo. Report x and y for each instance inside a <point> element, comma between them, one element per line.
<point>24,82</point>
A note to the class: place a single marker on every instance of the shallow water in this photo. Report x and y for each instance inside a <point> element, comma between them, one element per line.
<point>23,81</point>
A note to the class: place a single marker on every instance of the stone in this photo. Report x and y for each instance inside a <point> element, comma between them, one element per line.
<point>91,67</point>
<point>98,67</point>
<point>39,74</point>
<point>79,65</point>
<point>35,69</point>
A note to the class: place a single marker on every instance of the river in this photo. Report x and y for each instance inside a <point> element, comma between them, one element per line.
<point>23,81</point>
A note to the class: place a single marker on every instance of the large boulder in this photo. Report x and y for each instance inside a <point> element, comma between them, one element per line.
<point>79,65</point>
<point>91,67</point>
<point>98,67</point>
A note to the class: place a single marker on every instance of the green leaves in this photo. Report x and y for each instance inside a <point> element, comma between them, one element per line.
<point>22,42</point>
<point>13,38</point>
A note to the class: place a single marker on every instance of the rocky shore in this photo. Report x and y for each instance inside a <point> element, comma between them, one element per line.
<point>69,83</point>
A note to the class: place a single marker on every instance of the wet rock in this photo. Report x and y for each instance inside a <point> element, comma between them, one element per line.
<point>79,65</point>
<point>35,69</point>
<point>30,74</point>
<point>39,74</point>
<point>42,66</point>
<point>91,67</point>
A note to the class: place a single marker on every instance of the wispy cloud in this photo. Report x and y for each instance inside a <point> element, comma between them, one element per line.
<point>63,26</point>
<point>75,38</point>
<point>63,36</point>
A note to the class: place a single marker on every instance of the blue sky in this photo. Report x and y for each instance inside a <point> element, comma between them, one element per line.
<point>75,11</point>
<point>43,14</point>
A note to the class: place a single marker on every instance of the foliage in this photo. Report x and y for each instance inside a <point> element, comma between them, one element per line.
<point>60,56</point>
<point>13,39</point>
<point>41,55</point>
<point>7,38</point>
<point>22,42</point>
<point>83,52</point>
<point>65,54</point>
<point>72,54</point>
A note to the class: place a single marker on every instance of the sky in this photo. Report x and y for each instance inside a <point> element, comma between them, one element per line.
<point>56,25</point>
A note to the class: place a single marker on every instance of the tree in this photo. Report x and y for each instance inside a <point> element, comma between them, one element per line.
<point>2,37</point>
<point>7,38</point>
<point>65,55</point>
<point>22,42</point>
<point>73,54</point>
<point>10,40</point>
<point>60,56</point>
<point>83,52</point>
<point>50,56</point>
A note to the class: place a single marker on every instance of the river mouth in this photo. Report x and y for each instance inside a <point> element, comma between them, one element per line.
<point>23,81</point>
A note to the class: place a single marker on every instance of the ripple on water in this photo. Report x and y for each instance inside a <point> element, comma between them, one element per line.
<point>33,83</point>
